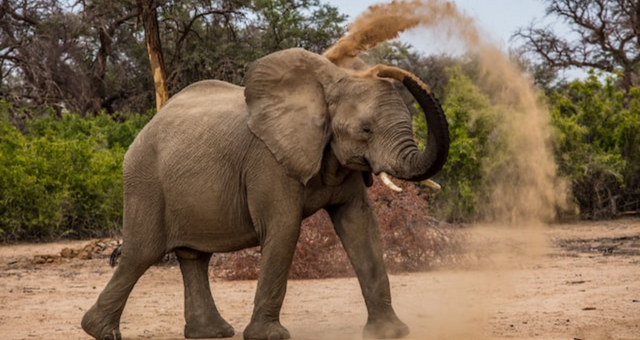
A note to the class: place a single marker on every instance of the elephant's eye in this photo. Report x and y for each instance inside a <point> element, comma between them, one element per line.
<point>366,129</point>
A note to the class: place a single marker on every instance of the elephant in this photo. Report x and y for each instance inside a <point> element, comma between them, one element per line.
<point>223,167</point>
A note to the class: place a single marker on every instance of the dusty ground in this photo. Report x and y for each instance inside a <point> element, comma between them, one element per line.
<point>585,285</point>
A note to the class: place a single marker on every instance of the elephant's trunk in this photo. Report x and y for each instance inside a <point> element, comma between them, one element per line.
<point>416,165</point>
<point>420,166</point>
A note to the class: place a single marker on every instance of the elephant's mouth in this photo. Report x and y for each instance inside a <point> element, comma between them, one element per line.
<point>359,163</point>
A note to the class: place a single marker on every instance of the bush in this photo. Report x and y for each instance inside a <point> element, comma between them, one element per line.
<point>476,142</point>
<point>108,131</point>
<point>598,146</point>
<point>62,177</point>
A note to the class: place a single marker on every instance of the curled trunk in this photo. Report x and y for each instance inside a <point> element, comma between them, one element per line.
<point>421,165</point>
<point>416,165</point>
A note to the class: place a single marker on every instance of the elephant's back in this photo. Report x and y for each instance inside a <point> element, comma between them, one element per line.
<point>205,94</point>
<point>196,123</point>
<point>194,151</point>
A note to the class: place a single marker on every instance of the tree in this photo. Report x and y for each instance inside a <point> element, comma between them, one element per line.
<point>70,57</point>
<point>205,41</point>
<point>477,152</point>
<point>606,37</point>
<point>88,56</point>
<point>218,39</point>
<point>597,146</point>
<point>302,23</point>
<point>149,16</point>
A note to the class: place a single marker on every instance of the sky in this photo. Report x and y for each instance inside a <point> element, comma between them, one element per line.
<point>499,18</point>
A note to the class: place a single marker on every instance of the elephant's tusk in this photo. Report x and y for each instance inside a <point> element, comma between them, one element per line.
<point>387,181</point>
<point>431,184</point>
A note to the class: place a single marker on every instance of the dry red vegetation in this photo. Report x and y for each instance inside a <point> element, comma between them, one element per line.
<point>412,241</point>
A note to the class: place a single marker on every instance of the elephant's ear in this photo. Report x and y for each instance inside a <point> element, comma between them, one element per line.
<point>285,94</point>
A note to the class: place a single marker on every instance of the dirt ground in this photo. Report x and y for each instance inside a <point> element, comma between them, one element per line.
<point>577,281</point>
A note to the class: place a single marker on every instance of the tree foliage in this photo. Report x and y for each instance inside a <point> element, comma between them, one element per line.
<point>476,143</point>
<point>598,146</point>
<point>595,143</point>
<point>88,56</point>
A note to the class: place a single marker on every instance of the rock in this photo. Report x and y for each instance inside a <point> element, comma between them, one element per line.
<point>85,255</point>
<point>68,253</point>
<point>42,259</point>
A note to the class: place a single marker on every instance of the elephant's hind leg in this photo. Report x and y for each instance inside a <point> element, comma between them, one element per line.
<point>202,317</point>
<point>102,321</point>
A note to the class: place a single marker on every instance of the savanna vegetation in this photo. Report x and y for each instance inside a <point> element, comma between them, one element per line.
<point>76,87</point>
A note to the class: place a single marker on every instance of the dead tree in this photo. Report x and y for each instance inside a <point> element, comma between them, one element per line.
<point>149,16</point>
<point>605,36</point>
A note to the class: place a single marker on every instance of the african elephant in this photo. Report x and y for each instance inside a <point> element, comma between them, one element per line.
<point>222,168</point>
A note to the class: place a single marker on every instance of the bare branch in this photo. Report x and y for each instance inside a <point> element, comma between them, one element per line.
<point>607,36</point>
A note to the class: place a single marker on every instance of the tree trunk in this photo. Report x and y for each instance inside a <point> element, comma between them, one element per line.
<point>149,17</point>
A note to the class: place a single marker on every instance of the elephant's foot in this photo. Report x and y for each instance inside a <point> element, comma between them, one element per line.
<point>389,328</point>
<point>99,326</point>
<point>212,329</point>
<point>265,330</point>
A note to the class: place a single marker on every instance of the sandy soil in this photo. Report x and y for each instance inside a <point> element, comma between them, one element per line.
<point>584,285</point>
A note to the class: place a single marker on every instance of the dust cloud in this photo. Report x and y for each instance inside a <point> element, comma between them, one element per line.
<point>525,190</point>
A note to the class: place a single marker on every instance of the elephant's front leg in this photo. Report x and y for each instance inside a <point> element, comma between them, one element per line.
<point>357,228</point>
<point>277,224</point>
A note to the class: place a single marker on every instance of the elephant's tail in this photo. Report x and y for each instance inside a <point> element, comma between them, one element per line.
<point>113,259</point>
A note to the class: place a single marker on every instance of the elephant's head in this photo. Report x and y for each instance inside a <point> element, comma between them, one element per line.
<point>300,102</point>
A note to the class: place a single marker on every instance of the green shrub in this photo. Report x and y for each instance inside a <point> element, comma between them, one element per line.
<point>598,146</point>
<point>63,177</point>
<point>109,131</point>
<point>475,140</point>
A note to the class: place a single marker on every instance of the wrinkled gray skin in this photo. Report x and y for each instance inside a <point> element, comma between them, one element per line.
<point>222,168</point>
